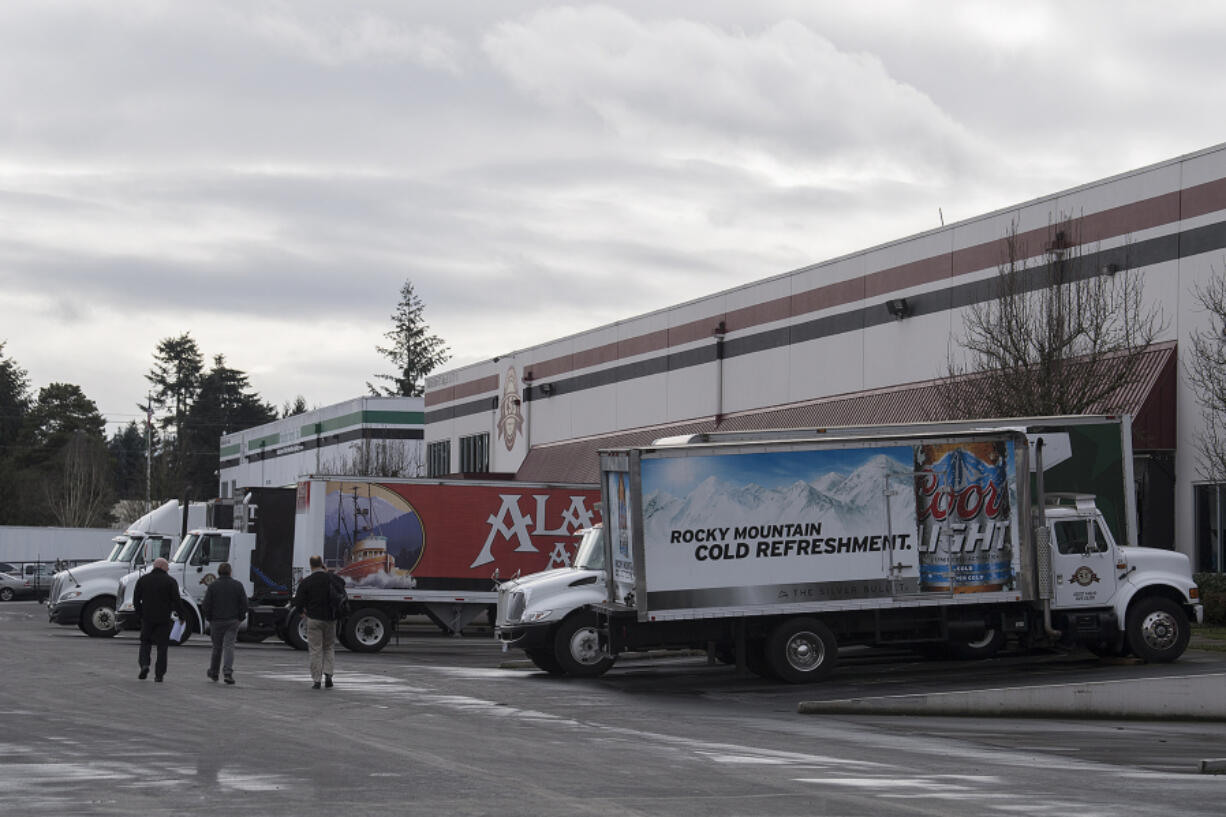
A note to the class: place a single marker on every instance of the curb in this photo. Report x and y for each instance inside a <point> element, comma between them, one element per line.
<point>1197,697</point>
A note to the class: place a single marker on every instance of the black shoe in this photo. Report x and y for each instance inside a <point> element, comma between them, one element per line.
<point>212,676</point>
<point>229,679</point>
<point>157,678</point>
<point>315,685</point>
<point>144,673</point>
<point>328,681</point>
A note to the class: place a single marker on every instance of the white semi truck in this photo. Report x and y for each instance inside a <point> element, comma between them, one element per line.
<point>773,549</point>
<point>84,596</point>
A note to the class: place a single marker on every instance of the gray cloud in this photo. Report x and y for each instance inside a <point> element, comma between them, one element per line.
<point>267,174</point>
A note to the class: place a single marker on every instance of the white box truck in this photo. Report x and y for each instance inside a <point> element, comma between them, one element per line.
<point>775,548</point>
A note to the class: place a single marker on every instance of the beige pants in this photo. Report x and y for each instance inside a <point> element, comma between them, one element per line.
<point>321,640</point>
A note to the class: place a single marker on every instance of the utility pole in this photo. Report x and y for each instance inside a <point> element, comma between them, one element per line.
<point>148,450</point>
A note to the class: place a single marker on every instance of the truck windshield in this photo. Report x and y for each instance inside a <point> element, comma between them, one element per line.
<point>590,555</point>
<point>117,549</point>
<point>131,549</point>
<point>185,549</point>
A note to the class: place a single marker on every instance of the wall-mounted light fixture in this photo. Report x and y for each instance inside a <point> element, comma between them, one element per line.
<point>898,307</point>
<point>546,388</point>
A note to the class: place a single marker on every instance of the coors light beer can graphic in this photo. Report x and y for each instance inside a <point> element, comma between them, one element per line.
<point>962,504</point>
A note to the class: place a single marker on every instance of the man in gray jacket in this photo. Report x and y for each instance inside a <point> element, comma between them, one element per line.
<point>225,607</point>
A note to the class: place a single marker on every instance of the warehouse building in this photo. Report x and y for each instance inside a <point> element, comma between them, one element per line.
<point>367,435</point>
<point>865,338</point>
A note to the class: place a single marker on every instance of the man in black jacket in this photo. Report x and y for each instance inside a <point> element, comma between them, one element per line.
<point>224,607</point>
<point>155,597</point>
<point>314,599</point>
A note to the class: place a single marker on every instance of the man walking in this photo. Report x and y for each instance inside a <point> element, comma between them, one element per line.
<point>314,598</point>
<point>224,607</point>
<point>155,597</point>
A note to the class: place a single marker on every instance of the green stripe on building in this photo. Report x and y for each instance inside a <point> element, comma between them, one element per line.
<point>407,418</point>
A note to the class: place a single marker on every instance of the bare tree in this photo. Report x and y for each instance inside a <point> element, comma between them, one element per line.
<point>1062,334</point>
<point>378,458</point>
<point>79,494</point>
<point>1206,369</point>
<point>127,511</point>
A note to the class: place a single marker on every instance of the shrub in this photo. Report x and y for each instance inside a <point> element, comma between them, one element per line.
<point>1213,596</point>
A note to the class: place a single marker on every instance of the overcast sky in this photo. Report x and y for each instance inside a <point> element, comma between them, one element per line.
<point>266,175</point>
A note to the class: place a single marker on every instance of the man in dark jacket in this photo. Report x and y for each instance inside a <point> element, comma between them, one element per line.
<point>224,607</point>
<point>155,597</point>
<point>314,599</point>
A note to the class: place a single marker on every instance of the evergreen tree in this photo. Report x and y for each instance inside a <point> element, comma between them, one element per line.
<point>223,405</point>
<point>175,377</point>
<point>14,403</point>
<point>413,350</point>
<point>128,453</point>
<point>63,472</point>
<point>299,406</point>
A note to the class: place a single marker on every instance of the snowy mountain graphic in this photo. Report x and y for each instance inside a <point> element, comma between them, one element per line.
<point>853,503</point>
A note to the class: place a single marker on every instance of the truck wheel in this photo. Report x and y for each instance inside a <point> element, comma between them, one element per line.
<point>6,594</point>
<point>367,630</point>
<point>991,643</point>
<point>545,660</point>
<point>98,618</point>
<point>1158,630</point>
<point>295,632</point>
<point>341,638</point>
<point>801,650</point>
<point>576,647</point>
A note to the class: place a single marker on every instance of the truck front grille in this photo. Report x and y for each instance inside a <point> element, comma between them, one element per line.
<point>513,609</point>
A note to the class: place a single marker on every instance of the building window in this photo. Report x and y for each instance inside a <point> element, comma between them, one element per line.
<point>438,458</point>
<point>475,454</point>
<point>1210,512</point>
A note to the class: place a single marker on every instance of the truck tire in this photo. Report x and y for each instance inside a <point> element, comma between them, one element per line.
<point>801,651</point>
<point>991,643</point>
<point>341,638</point>
<point>295,632</point>
<point>98,619</point>
<point>1158,630</point>
<point>367,630</point>
<point>576,646</point>
<point>545,660</point>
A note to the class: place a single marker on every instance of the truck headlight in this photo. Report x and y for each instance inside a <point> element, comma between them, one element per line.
<point>70,594</point>
<point>536,615</point>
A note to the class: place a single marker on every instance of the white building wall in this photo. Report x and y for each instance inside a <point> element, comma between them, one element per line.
<point>620,376</point>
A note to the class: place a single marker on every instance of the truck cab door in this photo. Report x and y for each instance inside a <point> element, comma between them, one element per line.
<point>200,569</point>
<point>1083,562</point>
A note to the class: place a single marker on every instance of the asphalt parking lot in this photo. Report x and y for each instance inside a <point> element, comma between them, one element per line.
<point>440,725</point>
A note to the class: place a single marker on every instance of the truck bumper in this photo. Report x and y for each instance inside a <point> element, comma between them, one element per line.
<point>65,612</point>
<point>530,637</point>
<point>1198,611</point>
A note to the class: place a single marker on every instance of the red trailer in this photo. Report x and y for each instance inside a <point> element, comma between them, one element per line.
<point>434,547</point>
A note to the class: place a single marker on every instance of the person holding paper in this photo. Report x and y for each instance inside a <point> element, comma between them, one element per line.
<point>156,596</point>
